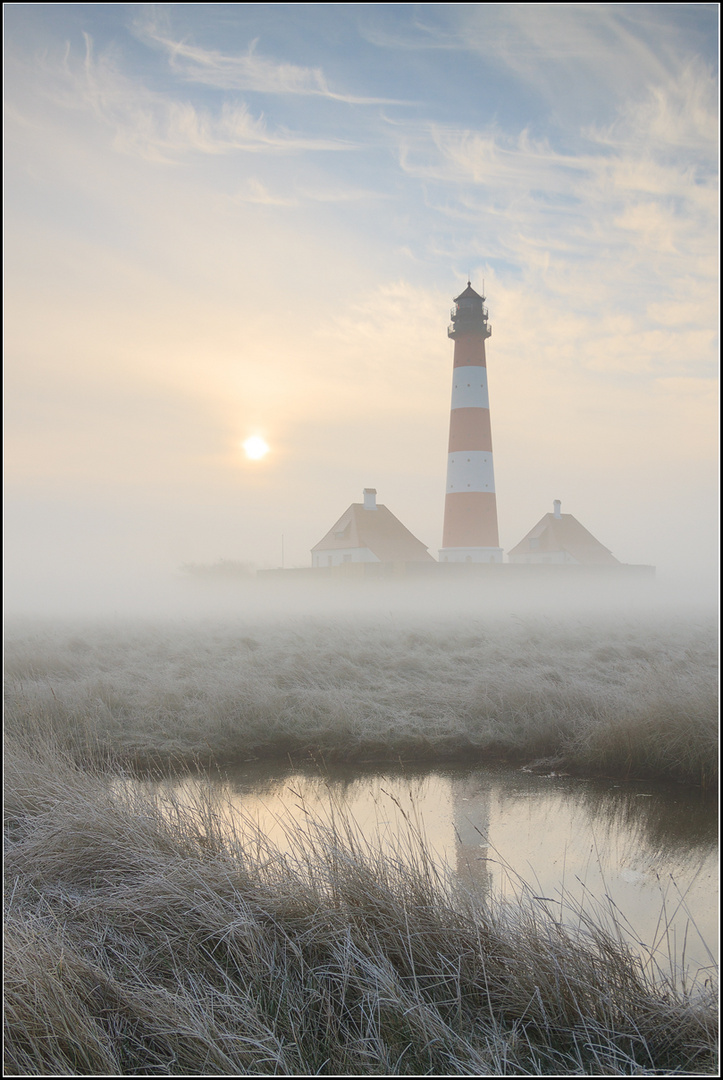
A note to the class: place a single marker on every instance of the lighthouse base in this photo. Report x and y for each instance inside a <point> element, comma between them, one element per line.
<point>471,554</point>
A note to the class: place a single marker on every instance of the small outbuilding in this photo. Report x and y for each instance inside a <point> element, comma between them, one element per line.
<point>368,533</point>
<point>560,538</point>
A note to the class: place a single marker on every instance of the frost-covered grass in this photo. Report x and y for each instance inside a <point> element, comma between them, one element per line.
<point>612,694</point>
<point>140,942</point>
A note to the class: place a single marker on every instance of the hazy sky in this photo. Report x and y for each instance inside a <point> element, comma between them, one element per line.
<point>227,220</point>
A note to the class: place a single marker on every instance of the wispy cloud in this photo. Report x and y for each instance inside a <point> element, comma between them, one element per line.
<point>416,35</point>
<point>641,189</point>
<point>678,114</point>
<point>247,71</point>
<point>161,126</point>
<point>608,53</point>
<point>255,191</point>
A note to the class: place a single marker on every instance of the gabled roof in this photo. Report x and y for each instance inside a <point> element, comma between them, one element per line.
<point>379,531</point>
<point>564,533</point>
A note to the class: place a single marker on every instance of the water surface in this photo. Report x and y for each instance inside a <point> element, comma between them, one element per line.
<point>641,855</point>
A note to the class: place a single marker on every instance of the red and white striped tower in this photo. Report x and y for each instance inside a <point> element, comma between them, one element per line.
<point>470,508</point>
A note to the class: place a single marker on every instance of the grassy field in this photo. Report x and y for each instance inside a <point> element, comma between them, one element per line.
<point>143,943</point>
<point>140,942</point>
<point>606,694</point>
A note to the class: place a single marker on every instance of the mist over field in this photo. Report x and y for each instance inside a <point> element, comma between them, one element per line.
<point>173,592</point>
<point>606,672</point>
<point>614,685</point>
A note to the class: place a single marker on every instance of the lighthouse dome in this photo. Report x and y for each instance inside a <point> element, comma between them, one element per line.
<point>468,294</point>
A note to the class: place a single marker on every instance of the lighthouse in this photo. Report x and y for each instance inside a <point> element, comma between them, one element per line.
<point>470,507</point>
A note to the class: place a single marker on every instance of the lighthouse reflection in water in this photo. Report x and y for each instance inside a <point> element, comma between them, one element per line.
<point>631,850</point>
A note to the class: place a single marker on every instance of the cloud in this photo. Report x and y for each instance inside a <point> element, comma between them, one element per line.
<point>247,71</point>
<point>161,127</point>
<point>255,191</point>
<point>411,36</point>
<point>631,199</point>
<point>610,54</point>
<point>676,115</point>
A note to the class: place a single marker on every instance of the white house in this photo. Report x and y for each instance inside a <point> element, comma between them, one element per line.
<point>368,532</point>
<point>560,538</point>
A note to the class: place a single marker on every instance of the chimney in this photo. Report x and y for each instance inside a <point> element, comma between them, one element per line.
<point>557,504</point>
<point>370,498</point>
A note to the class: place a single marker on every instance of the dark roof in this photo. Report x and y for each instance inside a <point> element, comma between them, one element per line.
<point>564,533</point>
<point>379,531</point>
<point>468,294</point>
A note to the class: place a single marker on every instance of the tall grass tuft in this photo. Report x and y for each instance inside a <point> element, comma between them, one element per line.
<point>148,939</point>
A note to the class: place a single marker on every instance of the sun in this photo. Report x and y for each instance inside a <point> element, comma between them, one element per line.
<point>256,448</point>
